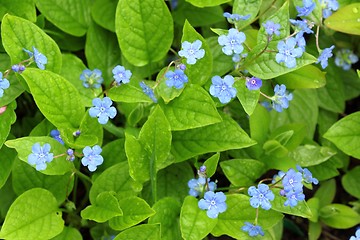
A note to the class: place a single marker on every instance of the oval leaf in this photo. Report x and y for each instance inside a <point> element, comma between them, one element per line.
<point>346,19</point>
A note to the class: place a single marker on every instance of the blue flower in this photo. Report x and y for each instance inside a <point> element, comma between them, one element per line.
<point>70,153</point>
<point>102,109</point>
<point>261,196</point>
<point>281,98</point>
<point>192,51</point>
<point>182,66</point>
<point>19,68</point>
<point>176,79</point>
<point>300,41</point>
<point>56,135</point>
<point>76,133</point>
<point>306,9</point>
<point>235,17</point>
<point>307,175</point>
<point>292,181</point>
<point>252,230</point>
<point>148,91</point>
<point>40,156</point>
<point>92,157</point>
<point>232,42</point>
<point>91,79</point>
<point>328,6</point>
<point>272,28</point>
<point>4,84</point>
<point>253,83</point>
<point>222,88</point>
<point>39,58</point>
<point>214,203</point>
<point>288,52</point>
<point>344,58</point>
<point>121,75</point>
<point>293,197</point>
<point>198,186</point>
<point>324,56</point>
<point>357,235</point>
<point>302,25</point>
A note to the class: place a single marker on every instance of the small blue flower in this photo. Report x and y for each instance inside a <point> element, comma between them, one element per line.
<point>192,51</point>
<point>302,25</point>
<point>70,153</point>
<point>176,79</point>
<point>357,235</point>
<point>300,41</point>
<point>198,186</point>
<point>222,88</point>
<point>252,230</point>
<point>39,58</point>
<point>121,75</point>
<point>288,52</point>
<point>232,43</point>
<point>4,84</point>
<point>281,98</point>
<point>292,181</point>
<point>102,109</point>
<point>328,7</point>
<point>214,203</point>
<point>19,68</point>
<point>272,28</point>
<point>307,175</point>
<point>293,197</point>
<point>92,157</point>
<point>235,17</point>
<point>261,196</point>
<point>76,133</point>
<point>306,9</point>
<point>56,135</point>
<point>324,56</point>
<point>91,79</point>
<point>182,66</point>
<point>253,83</point>
<point>40,156</point>
<point>148,91</point>
<point>344,58</point>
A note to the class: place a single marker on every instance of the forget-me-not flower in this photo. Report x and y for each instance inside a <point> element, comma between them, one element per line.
<point>232,42</point>
<point>261,196</point>
<point>272,28</point>
<point>198,186</point>
<point>235,17</point>
<point>91,79</point>
<point>19,68</point>
<point>303,26</point>
<point>253,83</point>
<point>92,157</point>
<point>121,75</point>
<point>357,235</point>
<point>56,135</point>
<point>40,156</point>
<point>70,154</point>
<point>39,58</point>
<point>222,88</point>
<point>214,203</point>
<point>307,8</point>
<point>307,175</point>
<point>281,98</point>
<point>344,58</point>
<point>192,51</point>
<point>102,109</point>
<point>252,230</point>
<point>328,6</point>
<point>148,91</point>
<point>324,56</point>
<point>176,79</point>
<point>4,84</point>
<point>293,197</point>
<point>288,52</point>
<point>292,181</point>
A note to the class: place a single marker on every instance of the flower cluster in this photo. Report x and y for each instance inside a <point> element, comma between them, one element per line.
<point>281,98</point>
<point>344,58</point>
<point>91,79</point>
<point>306,9</point>
<point>272,28</point>
<point>328,6</point>
<point>252,230</point>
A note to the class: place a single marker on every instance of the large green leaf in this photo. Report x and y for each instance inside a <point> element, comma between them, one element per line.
<point>18,33</point>
<point>56,98</point>
<point>193,108</point>
<point>33,215</point>
<point>248,98</point>
<point>339,216</point>
<point>6,164</point>
<point>194,223</point>
<point>217,137</point>
<point>22,8</point>
<point>350,181</point>
<point>345,134</point>
<point>144,29</point>
<point>310,155</point>
<point>206,3</point>
<point>103,13</point>
<point>345,20</point>
<point>72,17</point>
<point>69,233</point>
<point>141,232</point>
<point>7,118</point>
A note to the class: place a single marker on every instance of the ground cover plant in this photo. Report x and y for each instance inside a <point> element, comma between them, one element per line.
<point>153,119</point>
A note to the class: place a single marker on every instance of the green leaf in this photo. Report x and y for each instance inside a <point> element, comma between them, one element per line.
<point>339,216</point>
<point>326,192</point>
<point>325,170</point>
<point>217,137</point>
<point>200,72</point>
<point>345,20</point>
<point>167,214</point>
<point>135,210</point>
<point>242,172</point>
<point>56,98</point>
<point>22,8</point>
<point>206,3</point>
<point>211,164</point>
<point>265,66</point>
<point>102,51</point>
<point>69,233</point>
<point>290,135</point>
<point>151,152</point>
<point>7,118</point>
<point>301,209</point>
<point>259,124</point>
<point>167,93</point>
<point>350,182</point>
<point>18,33</point>
<point>72,17</point>
<point>58,166</point>
<point>315,230</point>
<point>275,149</point>
<point>244,8</point>
<point>248,98</point>
<point>230,222</point>
<point>345,134</point>
<point>310,155</point>
<point>306,77</point>
<point>105,208</point>
<point>144,29</point>
<point>7,159</point>
<point>314,205</point>
<point>194,223</point>
<point>33,215</point>
<point>103,13</point>
<point>141,232</point>
<point>25,177</point>
<point>117,179</point>
<point>193,108</point>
